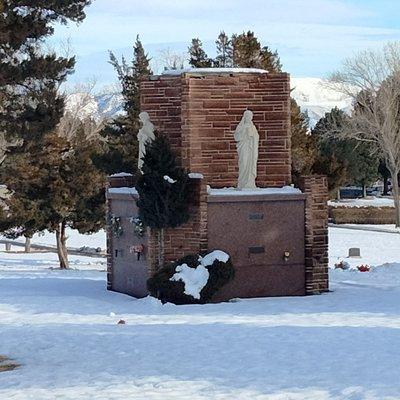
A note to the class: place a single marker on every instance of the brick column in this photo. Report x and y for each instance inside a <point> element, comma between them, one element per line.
<point>316,189</point>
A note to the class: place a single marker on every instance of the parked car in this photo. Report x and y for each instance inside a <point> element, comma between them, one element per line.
<point>351,192</point>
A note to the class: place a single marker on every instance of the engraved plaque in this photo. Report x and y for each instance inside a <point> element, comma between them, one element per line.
<point>256,250</point>
<point>256,216</point>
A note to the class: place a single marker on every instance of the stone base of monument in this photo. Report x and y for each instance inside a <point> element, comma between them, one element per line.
<point>263,230</point>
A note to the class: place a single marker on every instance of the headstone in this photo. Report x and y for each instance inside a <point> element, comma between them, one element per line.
<point>354,252</point>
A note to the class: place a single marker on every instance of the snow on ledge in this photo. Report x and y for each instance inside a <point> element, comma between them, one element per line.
<point>173,72</point>
<point>123,190</point>
<point>195,175</point>
<point>251,192</point>
<point>121,175</point>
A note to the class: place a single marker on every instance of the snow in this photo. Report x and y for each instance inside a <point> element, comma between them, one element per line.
<point>61,326</point>
<point>75,240</point>
<point>359,203</point>
<point>194,279</point>
<point>121,175</point>
<point>195,175</point>
<point>313,96</point>
<point>251,192</point>
<point>169,179</point>
<point>209,258</point>
<point>123,190</point>
<point>215,71</point>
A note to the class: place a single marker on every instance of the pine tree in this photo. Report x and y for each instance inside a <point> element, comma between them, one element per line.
<point>121,134</point>
<point>29,77</point>
<point>162,188</point>
<point>246,50</point>
<point>270,60</point>
<point>198,57</point>
<point>333,154</point>
<point>30,107</point>
<point>224,51</point>
<point>385,174</point>
<point>304,149</point>
<point>248,53</point>
<point>54,186</point>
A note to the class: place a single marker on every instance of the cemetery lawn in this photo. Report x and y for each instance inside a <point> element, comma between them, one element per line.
<point>61,327</point>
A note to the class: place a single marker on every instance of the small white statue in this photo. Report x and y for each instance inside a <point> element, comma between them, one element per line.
<point>145,135</point>
<point>247,138</point>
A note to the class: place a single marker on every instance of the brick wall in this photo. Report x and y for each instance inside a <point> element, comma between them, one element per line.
<point>189,238</point>
<point>200,113</point>
<point>316,189</point>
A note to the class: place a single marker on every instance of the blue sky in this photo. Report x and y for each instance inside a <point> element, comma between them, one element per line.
<point>311,36</point>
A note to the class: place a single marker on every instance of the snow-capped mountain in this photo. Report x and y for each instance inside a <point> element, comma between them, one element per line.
<point>314,97</point>
<point>310,93</point>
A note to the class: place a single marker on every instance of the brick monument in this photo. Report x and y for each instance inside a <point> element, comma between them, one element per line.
<point>276,235</point>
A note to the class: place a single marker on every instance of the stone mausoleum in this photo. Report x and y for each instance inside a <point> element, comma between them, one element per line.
<point>275,234</point>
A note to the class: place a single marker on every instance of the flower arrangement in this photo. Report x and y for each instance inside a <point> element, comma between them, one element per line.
<point>116,226</point>
<point>364,268</point>
<point>138,226</point>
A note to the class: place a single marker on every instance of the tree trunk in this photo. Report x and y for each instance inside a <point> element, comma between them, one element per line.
<point>364,191</point>
<point>61,246</point>
<point>27,244</point>
<point>396,198</point>
<point>385,185</point>
<point>338,194</point>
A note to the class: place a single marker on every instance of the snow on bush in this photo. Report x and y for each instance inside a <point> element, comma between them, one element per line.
<point>192,279</point>
<point>169,179</point>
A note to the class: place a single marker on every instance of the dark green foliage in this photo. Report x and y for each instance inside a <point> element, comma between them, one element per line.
<point>198,57</point>
<point>162,204</point>
<point>54,184</point>
<point>385,173</point>
<point>121,146</point>
<point>248,53</point>
<point>29,78</point>
<point>304,149</point>
<point>161,287</point>
<point>224,57</point>
<point>343,161</point>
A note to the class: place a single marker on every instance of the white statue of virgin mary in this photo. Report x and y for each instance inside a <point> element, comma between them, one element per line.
<point>145,135</point>
<point>247,138</point>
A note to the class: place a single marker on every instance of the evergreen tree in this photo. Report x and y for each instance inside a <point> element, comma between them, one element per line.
<point>270,60</point>
<point>54,186</point>
<point>29,104</point>
<point>224,51</point>
<point>304,149</point>
<point>363,165</point>
<point>198,57</point>
<point>162,188</point>
<point>121,134</point>
<point>333,154</point>
<point>248,53</point>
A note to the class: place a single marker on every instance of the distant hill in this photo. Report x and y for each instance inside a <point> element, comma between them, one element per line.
<point>310,93</point>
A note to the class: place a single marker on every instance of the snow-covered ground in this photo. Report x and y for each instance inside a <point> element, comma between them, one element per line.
<point>62,327</point>
<point>367,202</point>
<point>75,240</point>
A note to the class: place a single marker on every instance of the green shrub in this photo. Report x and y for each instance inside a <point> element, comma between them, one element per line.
<point>163,288</point>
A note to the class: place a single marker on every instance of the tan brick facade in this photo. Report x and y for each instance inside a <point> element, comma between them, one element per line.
<point>199,114</point>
